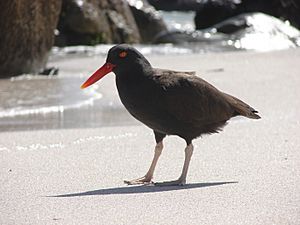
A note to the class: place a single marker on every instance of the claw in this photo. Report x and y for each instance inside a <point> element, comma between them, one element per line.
<point>178,182</point>
<point>142,180</point>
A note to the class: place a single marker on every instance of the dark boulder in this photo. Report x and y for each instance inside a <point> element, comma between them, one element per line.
<point>257,31</point>
<point>251,31</point>
<point>177,5</point>
<point>210,12</point>
<point>27,34</point>
<point>215,11</point>
<point>91,22</point>
<point>148,20</point>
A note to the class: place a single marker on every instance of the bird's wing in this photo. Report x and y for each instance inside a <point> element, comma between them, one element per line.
<point>164,72</point>
<point>192,99</point>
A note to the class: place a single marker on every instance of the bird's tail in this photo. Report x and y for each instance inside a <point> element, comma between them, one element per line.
<point>241,108</point>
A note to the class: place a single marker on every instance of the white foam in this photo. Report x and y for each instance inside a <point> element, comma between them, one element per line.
<point>21,111</point>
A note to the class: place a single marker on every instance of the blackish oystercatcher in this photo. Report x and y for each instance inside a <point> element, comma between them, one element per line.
<point>169,102</point>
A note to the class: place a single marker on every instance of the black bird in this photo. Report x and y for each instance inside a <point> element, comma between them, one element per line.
<point>169,102</point>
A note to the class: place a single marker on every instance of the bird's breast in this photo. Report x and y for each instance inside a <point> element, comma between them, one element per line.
<point>137,97</point>
<point>142,101</point>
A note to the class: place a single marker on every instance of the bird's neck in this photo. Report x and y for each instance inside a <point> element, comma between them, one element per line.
<point>135,72</point>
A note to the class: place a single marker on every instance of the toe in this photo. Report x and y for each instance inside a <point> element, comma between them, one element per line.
<point>171,183</point>
<point>142,180</point>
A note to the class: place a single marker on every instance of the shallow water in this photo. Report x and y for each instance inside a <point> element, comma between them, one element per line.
<point>39,102</point>
<point>39,94</point>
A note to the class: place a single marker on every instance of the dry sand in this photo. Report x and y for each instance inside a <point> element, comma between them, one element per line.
<point>248,174</point>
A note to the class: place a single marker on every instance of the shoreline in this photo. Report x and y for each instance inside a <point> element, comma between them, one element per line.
<point>247,174</point>
<point>62,112</point>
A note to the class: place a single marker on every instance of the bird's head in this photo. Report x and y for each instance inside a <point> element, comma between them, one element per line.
<point>123,60</point>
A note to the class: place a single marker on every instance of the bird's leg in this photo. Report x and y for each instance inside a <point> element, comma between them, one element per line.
<point>188,155</point>
<point>182,179</point>
<point>149,175</point>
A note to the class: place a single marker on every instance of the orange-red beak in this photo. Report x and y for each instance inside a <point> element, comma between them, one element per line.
<point>101,72</point>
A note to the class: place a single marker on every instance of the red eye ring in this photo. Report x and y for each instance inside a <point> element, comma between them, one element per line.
<point>123,54</point>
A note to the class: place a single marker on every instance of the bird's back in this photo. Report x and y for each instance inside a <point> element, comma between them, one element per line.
<point>181,103</point>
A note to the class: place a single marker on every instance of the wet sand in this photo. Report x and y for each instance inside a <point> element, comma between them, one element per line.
<point>248,174</point>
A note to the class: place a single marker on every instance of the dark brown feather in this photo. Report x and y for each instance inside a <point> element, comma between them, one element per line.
<point>241,107</point>
<point>179,103</point>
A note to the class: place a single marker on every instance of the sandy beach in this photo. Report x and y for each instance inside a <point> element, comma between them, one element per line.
<point>248,174</point>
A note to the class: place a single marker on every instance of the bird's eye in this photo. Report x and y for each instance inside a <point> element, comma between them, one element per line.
<point>123,54</point>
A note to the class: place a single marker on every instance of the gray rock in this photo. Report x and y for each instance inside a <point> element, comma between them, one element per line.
<point>148,20</point>
<point>177,5</point>
<point>215,11</point>
<point>248,31</point>
<point>96,21</point>
<point>210,12</point>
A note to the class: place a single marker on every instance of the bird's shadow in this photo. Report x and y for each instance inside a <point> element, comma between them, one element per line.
<point>142,189</point>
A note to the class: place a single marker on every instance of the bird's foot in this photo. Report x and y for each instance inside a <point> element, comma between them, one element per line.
<point>142,180</point>
<point>179,182</point>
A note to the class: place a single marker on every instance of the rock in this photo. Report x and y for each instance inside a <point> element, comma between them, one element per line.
<point>177,5</point>
<point>215,11</point>
<point>258,31</point>
<point>148,20</point>
<point>89,22</point>
<point>210,12</point>
<point>49,71</point>
<point>179,37</point>
<point>250,31</point>
<point>27,34</point>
